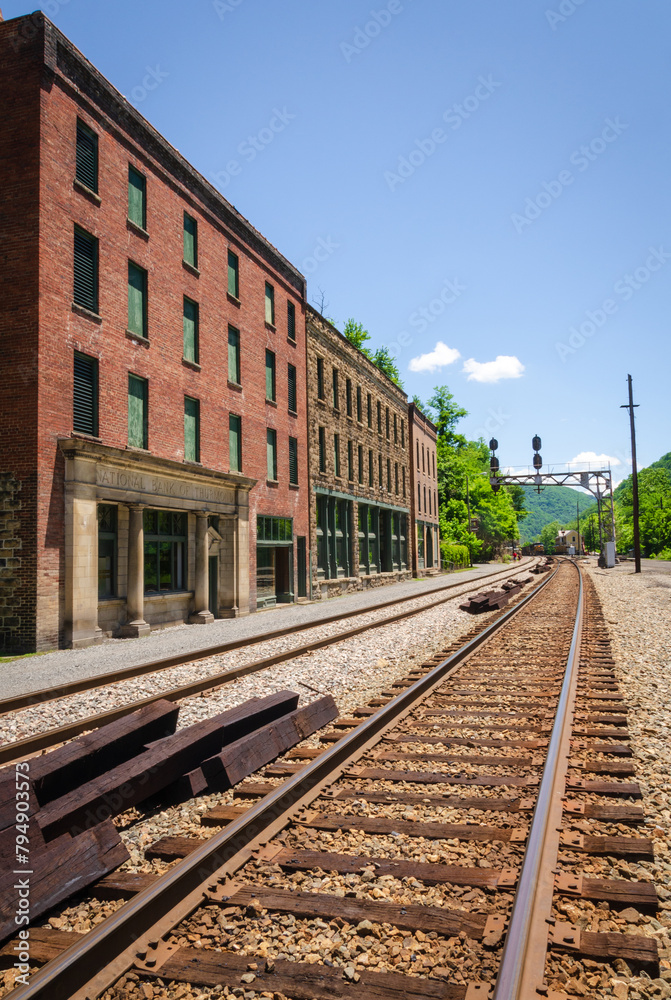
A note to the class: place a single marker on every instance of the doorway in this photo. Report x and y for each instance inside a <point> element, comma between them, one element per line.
<point>213,585</point>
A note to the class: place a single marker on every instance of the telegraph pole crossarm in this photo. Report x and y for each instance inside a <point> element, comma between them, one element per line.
<point>631,406</point>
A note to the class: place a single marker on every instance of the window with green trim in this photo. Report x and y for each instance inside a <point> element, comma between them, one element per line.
<point>293,461</point>
<point>85,394</point>
<point>107,550</point>
<point>191,429</point>
<point>190,240</point>
<point>274,529</point>
<point>137,197</point>
<point>85,270</point>
<point>358,404</point>
<point>137,412</point>
<point>234,443</point>
<point>322,449</point>
<point>361,464</point>
<point>350,461</point>
<point>165,534</point>
<point>336,455</point>
<point>336,390</point>
<point>86,168</point>
<point>137,300</point>
<point>233,275</point>
<point>348,396</point>
<point>234,355</point>
<point>291,388</point>
<point>320,378</point>
<point>270,304</point>
<point>271,454</point>
<point>291,321</point>
<point>190,328</point>
<point>270,376</point>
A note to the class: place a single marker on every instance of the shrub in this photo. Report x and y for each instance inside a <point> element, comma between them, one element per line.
<point>457,556</point>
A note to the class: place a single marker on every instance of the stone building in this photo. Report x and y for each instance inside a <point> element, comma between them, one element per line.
<point>153,434</point>
<point>424,487</point>
<point>358,467</point>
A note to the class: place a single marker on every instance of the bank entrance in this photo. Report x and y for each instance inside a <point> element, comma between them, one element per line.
<point>274,561</point>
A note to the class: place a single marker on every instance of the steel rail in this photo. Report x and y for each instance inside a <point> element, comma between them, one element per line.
<point>92,965</point>
<point>524,954</point>
<point>164,663</point>
<point>21,749</point>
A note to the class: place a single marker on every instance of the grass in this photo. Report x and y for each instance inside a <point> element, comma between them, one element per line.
<point>22,656</point>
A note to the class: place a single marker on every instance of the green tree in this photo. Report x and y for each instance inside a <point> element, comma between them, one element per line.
<point>422,407</point>
<point>356,335</point>
<point>384,360</point>
<point>654,518</point>
<point>549,534</point>
<point>449,413</point>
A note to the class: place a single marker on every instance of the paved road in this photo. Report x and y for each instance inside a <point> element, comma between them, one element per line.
<point>61,666</point>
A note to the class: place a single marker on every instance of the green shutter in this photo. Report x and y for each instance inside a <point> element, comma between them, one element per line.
<point>190,323</point>
<point>271,454</point>
<point>86,170</point>
<point>291,321</point>
<point>191,430</point>
<point>85,268</point>
<point>234,443</point>
<point>137,292</point>
<point>137,412</point>
<point>85,395</point>
<point>270,376</point>
<point>270,304</point>
<point>292,389</point>
<point>233,277</point>
<point>137,190</point>
<point>190,240</point>
<point>293,461</point>
<point>234,355</point>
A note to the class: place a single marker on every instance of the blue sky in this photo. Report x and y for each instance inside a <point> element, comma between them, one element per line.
<point>486,175</point>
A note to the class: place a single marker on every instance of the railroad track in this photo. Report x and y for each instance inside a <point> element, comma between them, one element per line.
<point>432,847</point>
<point>24,748</point>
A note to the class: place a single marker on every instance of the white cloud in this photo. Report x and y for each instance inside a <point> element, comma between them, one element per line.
<point>504,366</point>
<point>594,461</point>
<point>439,357</point>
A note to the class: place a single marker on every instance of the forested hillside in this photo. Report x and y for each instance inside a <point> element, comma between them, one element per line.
<point>553,503</point>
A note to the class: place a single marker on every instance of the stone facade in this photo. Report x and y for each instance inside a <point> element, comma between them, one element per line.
<point>424,484</point>
<point>358,467</point>
<point>49,93</point>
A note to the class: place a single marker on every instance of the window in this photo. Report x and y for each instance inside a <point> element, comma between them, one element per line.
<point>191,429</point>
<point>86,169</point>
<point>274,529</point>
<point>137,300</point>
<point>388,475</point>
<point>270,376</point>
<point>396,478</point>
<point>358,403</point>
<point>417,443</point>
<point>350,461</point>
<point>137,198</point>
<point>379,471</point>
<point>423,465</point>
<point>387,422</point>
<point>137,412</point>
<point>429,501</point>
<point>234,443</point>
<point>233,355</point>
<point>433,459</point>
<point>271,454</point>
<point>370,411</point>
<point>320,378</point>
<point>403,478</point>
<point>85,267</point>
<point>379,417</point>
<point>348,396</point>
<point>107,550</point>
<point>270,304</point>
<point>233,275</point>
<point>419,498</point>
<point>336,455</point>
<point>190,323</point>
<point>293,461</point>
<point>85,395</point>
<point>164,551</point>
<point>395,430</point>
<point>370,467</point>
<point>190,240</point>
<point>336,390</point>
<point>322,449</point>
<point>402,433</point>
<point>435,504</point>
<point>291,321</point>
<point>361,464</point>
<point>291,388</point>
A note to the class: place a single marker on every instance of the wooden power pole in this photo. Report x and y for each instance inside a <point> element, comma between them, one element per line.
<point>631,406</point>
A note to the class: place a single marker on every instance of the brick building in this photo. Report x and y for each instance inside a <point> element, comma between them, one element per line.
<point>153,434</point>
<point>358,467</point>
<point>424,487</point>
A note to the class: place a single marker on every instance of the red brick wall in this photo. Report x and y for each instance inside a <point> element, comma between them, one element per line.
<point>64,329</point>
<point>423,475</point>
<point>20,71</point>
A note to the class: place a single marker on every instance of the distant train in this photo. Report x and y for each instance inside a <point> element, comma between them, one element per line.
<point>535,549</point>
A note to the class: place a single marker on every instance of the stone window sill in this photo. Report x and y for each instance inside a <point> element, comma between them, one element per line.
<point>292,342</point>
<point>292,413</point>
<point>83,189</point>
<point>191,364</point>
<point>191,268</point>
<point>271,402</point>
<point>138,451</point>
<point>232,299</point>
<point>294,486</point>
<point>271,326</point>
<point>274,483</point>
<point>86,437</point>
<point>321,402</point>
<point>234,385</point>
<point>87,313</point>
<point>138,338</point>
<point>138,230</point>
<point>190,461</point>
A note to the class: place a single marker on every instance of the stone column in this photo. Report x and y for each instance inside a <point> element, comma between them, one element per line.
<point>81,554</point>
<point>136,625</point>
<point>202,614</point>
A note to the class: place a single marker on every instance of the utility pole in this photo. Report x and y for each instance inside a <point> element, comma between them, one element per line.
<point>577,514</point>
<point>631,406</point>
